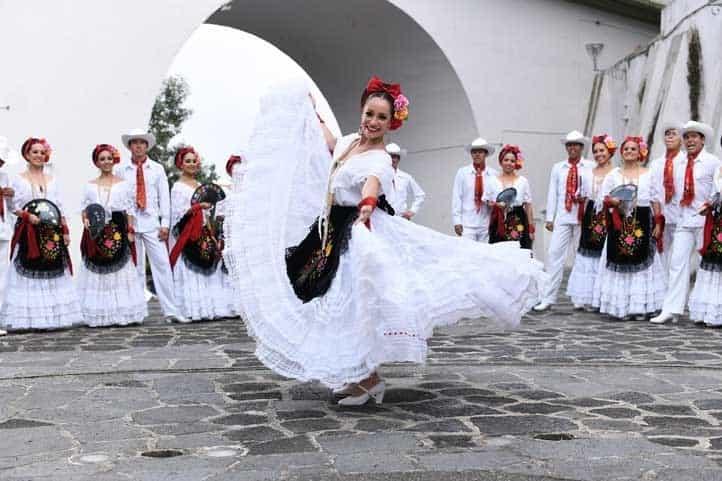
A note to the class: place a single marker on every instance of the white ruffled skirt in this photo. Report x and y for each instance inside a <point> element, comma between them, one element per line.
<point>580,287</point>
<point>201,297</point>
<point>39,303</point>
<point>622,294</point>
<point>395,283</point>
<point>112,299</point>
<point>705,301</point>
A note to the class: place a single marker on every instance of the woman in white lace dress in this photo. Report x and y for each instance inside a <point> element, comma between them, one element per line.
<point>40,293</point>
<point>705,300</point>
<point>580,287</point>
<point>363,288</point>
<point>631,280</point>
<point>198,279</point>
<point>109,290</point>
<point>513,222</point>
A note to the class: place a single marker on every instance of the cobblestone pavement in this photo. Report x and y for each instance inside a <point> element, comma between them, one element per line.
<point>570,395</point>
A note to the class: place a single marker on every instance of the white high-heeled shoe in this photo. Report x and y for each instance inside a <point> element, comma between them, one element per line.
<point>664,317</point>
<point>344,390</point>
<point>376,393</point>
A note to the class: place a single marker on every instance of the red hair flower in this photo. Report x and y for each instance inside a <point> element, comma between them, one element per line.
<point>514,149</point>
<point>400,102</point>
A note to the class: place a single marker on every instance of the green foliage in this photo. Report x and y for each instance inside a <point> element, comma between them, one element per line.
<point>694,72</point>
<point>166,121</point>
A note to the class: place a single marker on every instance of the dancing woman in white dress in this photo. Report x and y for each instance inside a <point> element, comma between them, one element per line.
<point>362,287</point>
<point>631,280</point>
<point>199,287</point>
<point>580,287</point>
<point>40,293</point>
<point>109,290</point>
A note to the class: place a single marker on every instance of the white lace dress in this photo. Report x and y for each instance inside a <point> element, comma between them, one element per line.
<point>394,284</point>
<point>580,287</point>
<point>230,205</point>
<point>621,294</point>
<point>38,303</point>
<point>114,297</point>
<point>705,300</point>
<point>199,296</point>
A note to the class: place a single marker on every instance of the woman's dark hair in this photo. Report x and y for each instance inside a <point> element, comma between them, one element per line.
<point>382,95</point>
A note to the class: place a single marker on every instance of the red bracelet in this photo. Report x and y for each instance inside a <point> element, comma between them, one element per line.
<point>532,229</point>
<point>131,230</point>
<point>372,201</point>
<point>660,220</point>
<point>65,229</point>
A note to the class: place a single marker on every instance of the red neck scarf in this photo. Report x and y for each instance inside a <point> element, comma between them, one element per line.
<point>478,187</point>
<point>688,192</point>
<point>669,175</point>
<point>572,184</point>
<point>140,198</point>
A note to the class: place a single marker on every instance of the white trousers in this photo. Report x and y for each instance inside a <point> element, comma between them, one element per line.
<point>562,237</point>
<point>669,230</point>
<point>478,234</point>
<point>4,264</point>
<point>159,266</point>
<point>684,245</point>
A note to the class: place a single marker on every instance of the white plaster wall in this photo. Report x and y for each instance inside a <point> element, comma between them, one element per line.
<point>83,71</point>
<point>677,19</point>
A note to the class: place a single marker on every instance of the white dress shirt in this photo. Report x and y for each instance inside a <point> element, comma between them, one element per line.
<point>556,210</point>
<point>670,210</point>
<point>521,184</point>
<point>463,207</point>
<point>6,226</point>
<point>157,195</point>
<point>405,186</point>
<point>705,168</point>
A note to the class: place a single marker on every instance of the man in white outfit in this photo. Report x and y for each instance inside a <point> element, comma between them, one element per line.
<point>469,213</point>
<point>405,186</point>
<point>7,219</point>
<point>693,185</point>
<point>152,213</point>
<point>663,169</point>
<point>564,209</point>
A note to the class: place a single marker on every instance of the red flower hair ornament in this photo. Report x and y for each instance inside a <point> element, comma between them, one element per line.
<point>105,147</point>
<point>643,148</point>
<point>182,153</point>
<point>27,145</point>
<point>514,149</point>
<point>232,160</point>
<point>608,142</point>
<point>401,103</point>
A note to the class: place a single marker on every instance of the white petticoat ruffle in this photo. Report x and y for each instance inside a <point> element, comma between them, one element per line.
<point>394,284</point>
<point>39,303</point>
<point>705,301</point>
<point>580,287</point>
<point>621,294</point>
<point>112,299</point>
<point>202,297</point>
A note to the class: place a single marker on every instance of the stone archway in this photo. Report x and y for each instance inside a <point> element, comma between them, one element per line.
<point>340,44</point>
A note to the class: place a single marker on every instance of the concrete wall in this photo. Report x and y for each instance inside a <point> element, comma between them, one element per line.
<point>81,72</point>
<point>644,90</point>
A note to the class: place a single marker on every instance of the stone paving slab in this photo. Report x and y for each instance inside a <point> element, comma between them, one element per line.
<point>568,396</point>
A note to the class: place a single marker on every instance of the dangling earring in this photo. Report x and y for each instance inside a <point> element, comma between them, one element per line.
<point>360,130</point>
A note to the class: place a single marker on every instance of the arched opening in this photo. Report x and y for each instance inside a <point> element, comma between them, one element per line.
<point>340,44</point>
